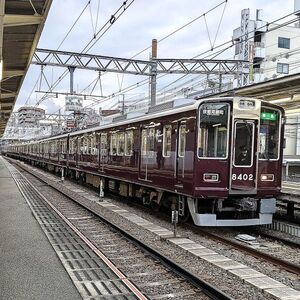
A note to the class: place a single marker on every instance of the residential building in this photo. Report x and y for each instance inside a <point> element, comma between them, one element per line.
<point>273,50</point>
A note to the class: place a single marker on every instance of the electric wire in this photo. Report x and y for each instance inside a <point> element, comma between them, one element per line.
<point>91,43</point>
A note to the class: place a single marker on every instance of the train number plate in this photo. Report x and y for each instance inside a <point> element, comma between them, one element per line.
<point>242,177</point>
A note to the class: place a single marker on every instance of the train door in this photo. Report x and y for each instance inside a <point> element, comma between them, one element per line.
<point>244,159</point>
<point>147,153</point>
<point>180,153</point>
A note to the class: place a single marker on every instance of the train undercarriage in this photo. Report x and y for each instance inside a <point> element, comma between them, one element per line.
<point>234,211</point>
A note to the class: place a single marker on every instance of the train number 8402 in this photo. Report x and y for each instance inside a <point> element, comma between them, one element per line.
<point>242,177</point>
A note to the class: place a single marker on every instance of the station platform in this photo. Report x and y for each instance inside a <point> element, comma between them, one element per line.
<point>29,267</point>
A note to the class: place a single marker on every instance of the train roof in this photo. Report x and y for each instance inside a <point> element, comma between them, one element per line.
<point>167,108</point>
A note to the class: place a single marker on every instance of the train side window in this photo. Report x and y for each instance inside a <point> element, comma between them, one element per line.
<point>120,143</point>
<point>128,142</point>
<point>213,130</point>
<point>182,140</point>
<point>148,140</point>
<point>62,146</point>
<point>103,144</point>
<point>167,134</point>
<point>80,145</point>
<point>94,144</point>
<point>144,142</point>
<point>151,142</point>
<point>71,146</point>
<point>113,144</point>
<point>86,145</point>
<point>91,148</point>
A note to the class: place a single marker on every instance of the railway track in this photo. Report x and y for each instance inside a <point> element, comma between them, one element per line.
<point>280,263</point>
<point>76,193</point>
<point>154,276</point>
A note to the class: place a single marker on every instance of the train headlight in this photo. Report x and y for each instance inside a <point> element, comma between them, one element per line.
<point>211,177</point>
<point>267,177</point>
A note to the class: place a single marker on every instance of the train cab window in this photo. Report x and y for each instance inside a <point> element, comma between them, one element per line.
<point>167,134</point>
<point>113,144</point>
<point>244,133</point>
<point>181,140</point>
<point>269,133</point>
<point>213,130</point>
<point>120,143</point>
<point>128,142</point>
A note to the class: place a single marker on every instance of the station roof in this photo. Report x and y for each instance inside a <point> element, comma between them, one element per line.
<point>21,24</point>
<point>287,87</point>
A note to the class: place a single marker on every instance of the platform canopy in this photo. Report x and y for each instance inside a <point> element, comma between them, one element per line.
<point>21,24</point>
<point>284,91</point>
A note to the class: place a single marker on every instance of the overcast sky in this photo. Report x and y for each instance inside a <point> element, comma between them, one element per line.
<point>132,32</point>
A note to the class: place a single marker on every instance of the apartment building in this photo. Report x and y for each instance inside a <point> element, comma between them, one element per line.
<point>273,50</point>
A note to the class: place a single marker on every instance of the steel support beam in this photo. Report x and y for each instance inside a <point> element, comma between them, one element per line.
<point>137,67</point>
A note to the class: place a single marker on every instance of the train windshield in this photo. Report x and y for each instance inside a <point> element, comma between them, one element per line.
<point>269,133</point>
<point>213,130</point>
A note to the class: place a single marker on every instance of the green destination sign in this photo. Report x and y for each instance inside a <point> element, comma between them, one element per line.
<point>268,116</point>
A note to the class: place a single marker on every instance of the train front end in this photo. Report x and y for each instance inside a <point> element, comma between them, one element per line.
<point>239,162</point>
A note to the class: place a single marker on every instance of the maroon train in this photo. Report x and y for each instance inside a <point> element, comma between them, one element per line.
<point>218,160</point>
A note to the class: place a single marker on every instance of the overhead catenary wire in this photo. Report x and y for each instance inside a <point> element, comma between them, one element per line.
<point>230,46</point>
<point>149,47</point>
<point>143,82</point>
<point>92,42</point>
<point>74,24</point>
<point>162,39</point>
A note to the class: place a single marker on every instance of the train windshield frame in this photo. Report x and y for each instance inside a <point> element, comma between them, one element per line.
<point>269,133</point>
<point>213,130</point>
<point>244,132</point>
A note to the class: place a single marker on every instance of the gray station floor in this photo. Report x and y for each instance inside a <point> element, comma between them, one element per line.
<point>29,267</point>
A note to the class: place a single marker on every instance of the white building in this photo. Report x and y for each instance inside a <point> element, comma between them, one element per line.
<point>271,49</point>
<point>29,115</point>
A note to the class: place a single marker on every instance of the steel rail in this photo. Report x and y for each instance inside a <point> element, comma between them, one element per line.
<point>288,266</point>
<point>107,261</point>
<point>207,288</point>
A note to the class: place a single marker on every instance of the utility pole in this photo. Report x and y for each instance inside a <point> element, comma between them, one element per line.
<point>71,70</point>
<point>153,71</point>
